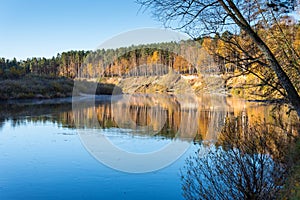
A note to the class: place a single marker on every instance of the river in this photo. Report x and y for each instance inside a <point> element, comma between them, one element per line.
<point>122,147</point>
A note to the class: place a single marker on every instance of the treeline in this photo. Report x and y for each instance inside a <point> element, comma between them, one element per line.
<point>229,54</point>
<point>185,57</point>
<point>65,64</point>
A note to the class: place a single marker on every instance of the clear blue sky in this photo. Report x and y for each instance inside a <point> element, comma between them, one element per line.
<point>37,28</point>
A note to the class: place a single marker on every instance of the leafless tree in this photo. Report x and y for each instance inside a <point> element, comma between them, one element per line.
<point>248,162</point>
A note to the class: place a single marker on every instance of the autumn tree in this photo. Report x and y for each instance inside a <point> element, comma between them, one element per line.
<point>207,17</point>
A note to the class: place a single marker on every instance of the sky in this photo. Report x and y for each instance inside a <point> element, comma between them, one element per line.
<point>35,28</point>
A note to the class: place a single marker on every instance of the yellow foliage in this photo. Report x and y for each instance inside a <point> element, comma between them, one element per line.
<point>155,57</point>
<point>297,41</point>
<point>208,45</point>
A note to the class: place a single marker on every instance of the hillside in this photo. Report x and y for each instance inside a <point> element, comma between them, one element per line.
<point>169,83</point>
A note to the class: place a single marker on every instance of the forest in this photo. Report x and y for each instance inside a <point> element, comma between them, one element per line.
<point>231,56</point>
<point>109,62</point>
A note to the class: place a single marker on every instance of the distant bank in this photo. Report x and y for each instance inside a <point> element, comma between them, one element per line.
<point>44,87</point>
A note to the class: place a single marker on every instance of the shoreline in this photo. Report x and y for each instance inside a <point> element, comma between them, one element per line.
<point>52,89</point>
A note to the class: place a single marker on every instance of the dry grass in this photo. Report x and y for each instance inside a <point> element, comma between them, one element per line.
<point>48,87</point>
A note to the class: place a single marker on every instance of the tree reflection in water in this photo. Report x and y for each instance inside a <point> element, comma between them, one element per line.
<point>247,162</point>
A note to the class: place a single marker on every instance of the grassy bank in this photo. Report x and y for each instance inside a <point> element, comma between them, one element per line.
<point>291,189</point>
<point>43,87</point>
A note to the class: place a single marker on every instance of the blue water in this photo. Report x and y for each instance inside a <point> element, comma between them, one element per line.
<point>45,152</point>
<point>43,160</point>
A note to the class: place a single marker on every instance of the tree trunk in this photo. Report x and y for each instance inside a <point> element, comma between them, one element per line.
<point>285,81</point>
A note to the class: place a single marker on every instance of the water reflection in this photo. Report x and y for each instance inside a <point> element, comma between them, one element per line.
<point>153,115</point>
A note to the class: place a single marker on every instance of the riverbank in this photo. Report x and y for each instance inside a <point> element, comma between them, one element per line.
<point>44,87</point>
<point>169,83</point>
<point>31,86</point>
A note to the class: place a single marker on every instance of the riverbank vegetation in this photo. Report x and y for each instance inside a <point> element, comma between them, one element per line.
<point>46,87</point>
